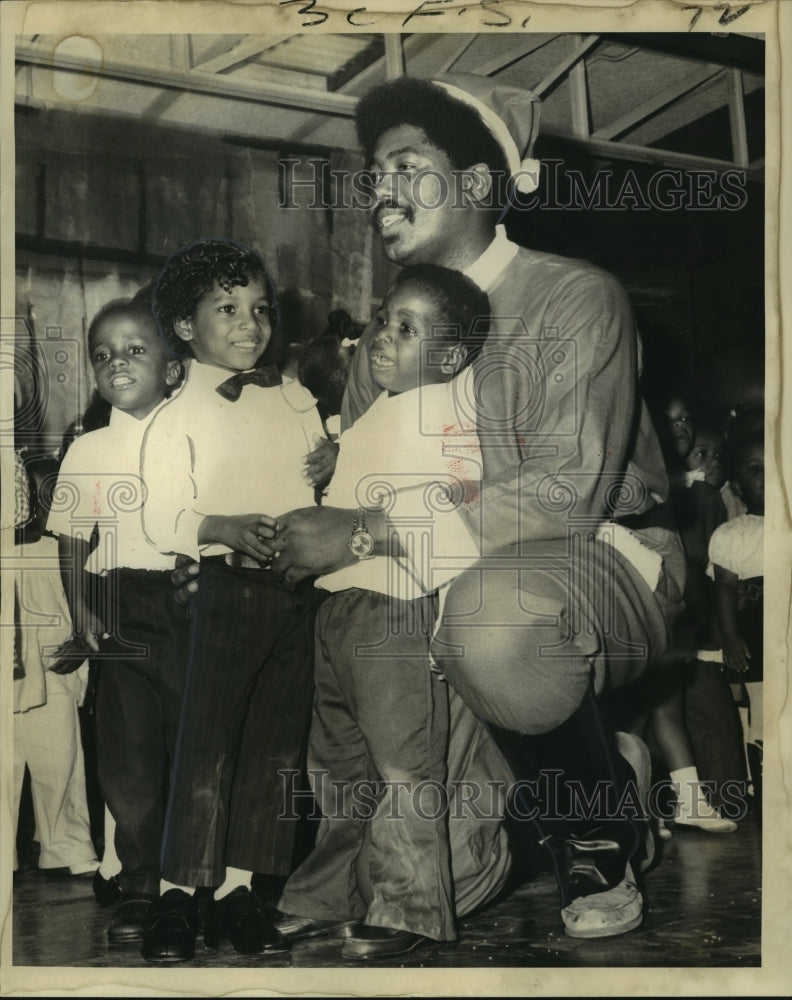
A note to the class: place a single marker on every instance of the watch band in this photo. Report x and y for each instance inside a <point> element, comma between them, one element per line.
<point>361,541</point>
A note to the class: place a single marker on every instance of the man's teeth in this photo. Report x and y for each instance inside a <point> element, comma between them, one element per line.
<point>390,219</point>
<point>246,343</point>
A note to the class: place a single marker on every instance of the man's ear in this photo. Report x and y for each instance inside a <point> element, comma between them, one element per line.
<point>478,182</point>
<point>453,360</point>
<point>183,329</point>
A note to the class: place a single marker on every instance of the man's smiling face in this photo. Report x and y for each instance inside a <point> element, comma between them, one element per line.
<point>417,214</point>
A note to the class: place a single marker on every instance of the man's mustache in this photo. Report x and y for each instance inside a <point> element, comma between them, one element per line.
<point>389,204</point>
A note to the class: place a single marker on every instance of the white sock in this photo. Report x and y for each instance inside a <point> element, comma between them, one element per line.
<point>689,793</point>
<point>235,877</point>
<point>109,867</point>
<point>110,863</point>
<point>165,885</point>
<point>755,723</point>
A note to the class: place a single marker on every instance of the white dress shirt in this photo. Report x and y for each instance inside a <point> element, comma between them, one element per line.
<point>411,454</point>
<point>99,484</point>
<point>206,455</point>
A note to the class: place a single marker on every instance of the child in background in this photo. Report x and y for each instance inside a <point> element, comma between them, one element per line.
<point>689,709</point>
<point>705,461</point>
<point>381,715</point>
<point>736,553</point>
<point>711,718</point>
<point>224,460</point>
<point>46,720</point>
<point>325,364</point>
<point>742,419</point>
<point>121,599</point>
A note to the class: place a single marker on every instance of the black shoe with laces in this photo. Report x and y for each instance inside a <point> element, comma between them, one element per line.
<point>171,928</point>
<point>240,918</point>
<point>106,890</point>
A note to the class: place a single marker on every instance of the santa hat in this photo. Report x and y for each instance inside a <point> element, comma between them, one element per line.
<point>510,113</point>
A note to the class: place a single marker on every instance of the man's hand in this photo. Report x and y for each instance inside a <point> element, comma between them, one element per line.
<point>319,465</point>
<point>184,579</point>
<point>312,541</point>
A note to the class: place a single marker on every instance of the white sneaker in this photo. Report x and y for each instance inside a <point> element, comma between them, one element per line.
<point>704,817</point>
<point>605,914</point>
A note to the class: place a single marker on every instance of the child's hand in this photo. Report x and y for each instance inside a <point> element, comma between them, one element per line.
<point>736,656</point>
<point>71,655</point>
<point>88,627</point>
<point>248,533</point>
<point>319,465</point>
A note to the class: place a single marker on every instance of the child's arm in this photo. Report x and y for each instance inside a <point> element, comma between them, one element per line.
<point>86,625</point>
<point>242,532</point>
<point>735,653</point>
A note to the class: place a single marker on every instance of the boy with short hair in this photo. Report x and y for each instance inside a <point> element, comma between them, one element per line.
<point>229,449</point>
<point>121,600</point>
<point>380,726</point>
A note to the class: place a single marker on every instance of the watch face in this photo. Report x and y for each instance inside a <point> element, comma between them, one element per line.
<point>362,544</point>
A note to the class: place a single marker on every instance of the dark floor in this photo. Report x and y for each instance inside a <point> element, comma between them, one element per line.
<point>703,909</point>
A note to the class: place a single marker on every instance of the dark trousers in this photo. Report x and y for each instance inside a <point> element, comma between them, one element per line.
<point>713,724</point>
<point>142,670</point>
<point>532,639</point>
<point>244,726</point>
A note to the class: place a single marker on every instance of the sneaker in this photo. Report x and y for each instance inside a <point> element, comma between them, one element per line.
<point>704,817</point>
<point>605,914</point>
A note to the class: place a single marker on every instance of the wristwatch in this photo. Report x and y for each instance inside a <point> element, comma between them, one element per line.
<point>362,542</point>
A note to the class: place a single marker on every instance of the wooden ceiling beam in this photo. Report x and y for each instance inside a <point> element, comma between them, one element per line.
<point>394,56</point>
<point>362,81</point>
<point>252,46</point>
<point>604,148</point>
<point>195,81</point>
<point>513,55</point>
<point>456,55</point>
<point>565,65</point>
<point>739,134</point>
<point>682,88</point>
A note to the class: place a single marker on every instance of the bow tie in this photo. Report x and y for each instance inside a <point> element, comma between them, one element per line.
<point>266,377</point>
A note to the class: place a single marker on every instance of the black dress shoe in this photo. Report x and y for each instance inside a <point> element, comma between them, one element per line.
<point>106,890</point>
<point>302,928</point>
<point>380,942</point>
<point>129,920</point>
<point>172,927</point>
<point>240,918</point>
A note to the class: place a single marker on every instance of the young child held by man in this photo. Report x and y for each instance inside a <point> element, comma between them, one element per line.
<point>224,461</point>
<point>380,874</point>
<point>121,599</point>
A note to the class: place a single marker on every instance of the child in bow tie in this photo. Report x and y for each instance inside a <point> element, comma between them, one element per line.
<point>222,464</point>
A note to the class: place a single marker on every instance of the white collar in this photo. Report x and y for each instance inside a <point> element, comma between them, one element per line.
<point>125,422</point>
<point>493,262</point>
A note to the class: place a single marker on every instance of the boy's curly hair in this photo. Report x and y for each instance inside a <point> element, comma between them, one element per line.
<point>190,273</point>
